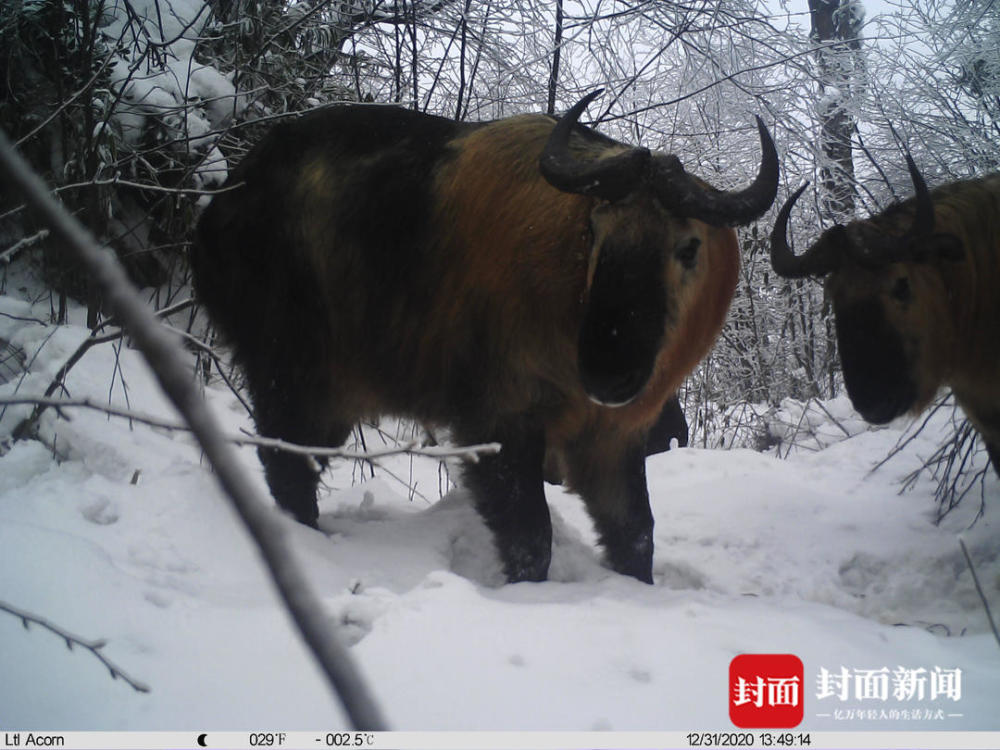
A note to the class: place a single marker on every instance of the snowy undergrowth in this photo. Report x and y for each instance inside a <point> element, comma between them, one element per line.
<point>120,532</point>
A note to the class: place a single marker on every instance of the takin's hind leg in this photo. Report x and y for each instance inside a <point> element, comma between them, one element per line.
<point>291,477</point>
<point>993,449</point>
<point>612,483</point>
<point>509,494</point>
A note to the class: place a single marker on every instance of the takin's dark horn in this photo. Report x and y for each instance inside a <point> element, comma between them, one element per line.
<point>816,261</point>
<point>686,196</point>
<point>611,178</point>
<point>923,220</point>
<point>881,251</point>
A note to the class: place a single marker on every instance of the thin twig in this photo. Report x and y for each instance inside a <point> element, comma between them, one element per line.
<point>93,647</point>
<point>44,402</point>
<point>27,426</point>
<point>833,418</point>
<point>904,440</point>
<point>197,343</point>
<point>979,588</point>
<point>119,182</point>
<point>798,428</point>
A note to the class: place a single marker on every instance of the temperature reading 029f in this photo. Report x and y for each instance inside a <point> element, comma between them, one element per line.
<point>267,739</point>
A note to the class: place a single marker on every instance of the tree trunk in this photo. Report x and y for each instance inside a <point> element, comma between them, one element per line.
<point>835,31</point>
<point>836,28</point>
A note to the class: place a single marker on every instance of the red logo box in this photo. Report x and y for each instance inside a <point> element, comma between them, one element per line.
<point>766,691</point>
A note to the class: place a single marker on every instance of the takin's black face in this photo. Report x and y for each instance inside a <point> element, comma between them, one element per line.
<point>894,326</point>
<point>887,279</point>
<point>621,334</point>
<point>645,256</point>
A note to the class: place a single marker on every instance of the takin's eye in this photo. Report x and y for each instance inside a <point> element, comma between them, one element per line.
<point>901,291</point>
<point>687,252</point>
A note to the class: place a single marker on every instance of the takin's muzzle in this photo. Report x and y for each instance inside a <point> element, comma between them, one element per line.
<point>623,325</point>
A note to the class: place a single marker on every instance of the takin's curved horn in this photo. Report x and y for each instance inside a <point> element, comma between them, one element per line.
<point>611,178</point>
<point>923,218</point>
<point>881,251</point>
<point>685,196</point>
<point>816,261</point>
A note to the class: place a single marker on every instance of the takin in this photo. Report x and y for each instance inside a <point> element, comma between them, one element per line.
<point>915,297</point>
<point>526,281</point>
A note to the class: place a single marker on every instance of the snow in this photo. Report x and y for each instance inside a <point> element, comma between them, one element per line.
<point>810,555</point>
<point>159,78</point>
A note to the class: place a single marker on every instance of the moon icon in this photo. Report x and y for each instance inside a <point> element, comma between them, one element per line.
<point>201,740</point>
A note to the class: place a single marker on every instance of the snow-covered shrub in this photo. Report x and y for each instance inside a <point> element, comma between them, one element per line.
<point>115,105</point>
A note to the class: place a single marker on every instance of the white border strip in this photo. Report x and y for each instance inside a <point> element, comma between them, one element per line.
<point>782,740</point>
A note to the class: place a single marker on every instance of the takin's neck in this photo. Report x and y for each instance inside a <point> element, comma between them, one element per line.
<point>971,211</point>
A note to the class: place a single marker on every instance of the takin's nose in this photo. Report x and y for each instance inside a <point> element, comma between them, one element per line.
<point>615,389</point>
<point>614,365</point>
<point>877,372</point>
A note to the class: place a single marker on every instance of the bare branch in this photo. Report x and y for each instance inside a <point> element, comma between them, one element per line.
<point>71,640</point>
<point>27,426</point>
<point>979,589</point>
<point>8,255</point>
<point>411,448</point>
<point>45,402</point>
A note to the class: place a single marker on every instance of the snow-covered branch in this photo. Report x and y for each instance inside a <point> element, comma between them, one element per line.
<point>411,448</point>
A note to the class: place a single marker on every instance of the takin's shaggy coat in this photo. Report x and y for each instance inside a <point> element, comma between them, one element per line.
<point>519,281</point>
<point>916,295</point>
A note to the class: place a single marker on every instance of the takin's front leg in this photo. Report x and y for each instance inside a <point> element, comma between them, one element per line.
<point>985,417</point>
<point>510,496</point>
<point>990,434</point>
<point>612,484</point>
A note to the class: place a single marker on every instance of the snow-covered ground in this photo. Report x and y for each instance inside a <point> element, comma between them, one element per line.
<point>123,535</point>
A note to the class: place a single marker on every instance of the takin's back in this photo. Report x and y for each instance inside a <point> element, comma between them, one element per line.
<point>424,264</point>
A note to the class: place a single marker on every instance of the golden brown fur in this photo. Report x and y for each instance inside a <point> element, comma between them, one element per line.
<point>410,265</point>
<point>949,323</point>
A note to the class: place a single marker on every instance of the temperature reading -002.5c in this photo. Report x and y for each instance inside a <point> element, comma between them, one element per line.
<point>350,739</point>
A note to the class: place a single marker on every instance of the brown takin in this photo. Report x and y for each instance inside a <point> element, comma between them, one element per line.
<point>915,296</point>
<point>525,281</point>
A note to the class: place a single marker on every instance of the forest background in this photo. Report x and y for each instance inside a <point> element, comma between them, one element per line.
<point>134,110</point>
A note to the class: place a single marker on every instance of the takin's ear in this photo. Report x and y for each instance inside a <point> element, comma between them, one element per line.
<point>623,323</point>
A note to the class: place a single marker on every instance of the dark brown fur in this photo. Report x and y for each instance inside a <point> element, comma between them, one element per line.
<point>378,261</point>
<point>910,327</point>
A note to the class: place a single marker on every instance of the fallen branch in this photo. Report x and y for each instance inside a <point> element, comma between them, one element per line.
<point>413,447</point>
<point>71,640</point>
